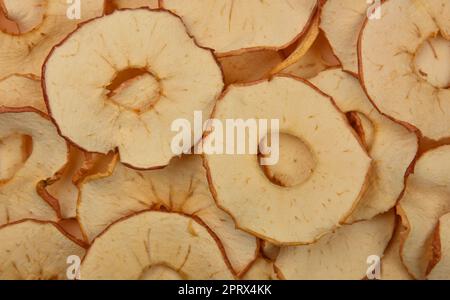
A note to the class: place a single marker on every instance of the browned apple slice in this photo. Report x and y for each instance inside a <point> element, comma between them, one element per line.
<point>249,66</point>
<point>155,245</point>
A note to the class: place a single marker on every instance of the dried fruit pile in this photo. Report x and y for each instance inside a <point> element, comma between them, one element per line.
<point>87,167</point>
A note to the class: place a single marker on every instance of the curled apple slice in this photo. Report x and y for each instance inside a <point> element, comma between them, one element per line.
<point>230,27</point>
<point>425,200</point>
<point>440,265</point>
<point>20,195</point>
<point>392,146</point>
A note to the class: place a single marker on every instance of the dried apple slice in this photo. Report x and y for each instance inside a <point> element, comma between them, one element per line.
<point>42,24</point>
<point>333,187</point>
<point>392,267</point>
<point>261,269</point>
<point>392,146</point>
<point>120,4</point>
<point>20,195</point>
<point>249,66</point>
<point>343,32</point>
<point>34,250</point>
<point>180,187</point>
<point>425,200</point>
<point>13,154</point>
<point>65,189</point>
<point>230,27</point>
<point>269,250</point>
<point>152,243</point>
<point>441,251</point>
<point>21,91</point>
<point>339,255</point>
<point>318,58</point>
<point>398,55</point>
<point>137,120</point>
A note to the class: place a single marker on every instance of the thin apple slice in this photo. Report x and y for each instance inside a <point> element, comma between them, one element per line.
<point>21,91</point>
<point>42,24</point>
<point>318,58</point>
<point>425,200</point>
<point>151,244</point>
<point>230,27</point>
<point>440,266</point>
<point>339,255</point>
<point>249,66</point>
<point>156,43</point>
<point>20,195</point>
<point>181,187</point>
<point>65,189</point>
<point>302,48</point>
<point>261,269</point>
<point>403,60</point>
<point>35,250</point>
<point>288,215</point>
<point>392,146</point>
<point>343,32</point>
<point>121,4</point>
<point>392,267</point>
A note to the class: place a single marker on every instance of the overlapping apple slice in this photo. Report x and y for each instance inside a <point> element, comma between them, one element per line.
<point>181,187</point>
<point>155,245</point>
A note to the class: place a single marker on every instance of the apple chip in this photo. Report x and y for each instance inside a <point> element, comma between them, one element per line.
<point>20,194</point>
<point>137,115</point>
<point>440,266</point>
<point>21,91</point>
<point>342,254</point>
<point>42,24</point>
<point>155,245</point>
<point>181,187</point>
<point>425,200</point>
<point>403,60</point>
<point>343,32</point>
<point>32,250</point>
<point>230,27</point>
<point>336,165</point>
<point>392,146</point>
